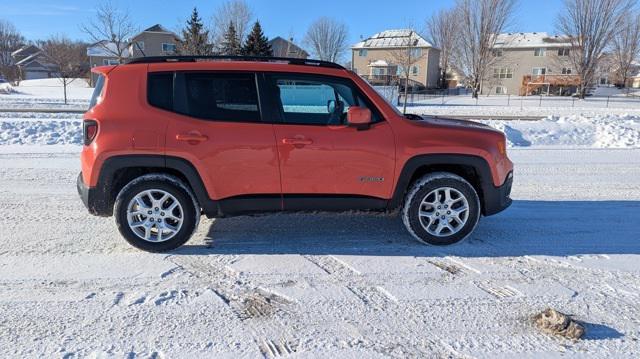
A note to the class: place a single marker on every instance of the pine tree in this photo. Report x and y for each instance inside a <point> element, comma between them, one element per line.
<point>230,43</point>
<point>257,44</point>
<point>195,37</point>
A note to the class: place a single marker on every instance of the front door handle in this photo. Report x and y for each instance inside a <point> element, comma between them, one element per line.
<point>191,137</point>
<point>297,141</point>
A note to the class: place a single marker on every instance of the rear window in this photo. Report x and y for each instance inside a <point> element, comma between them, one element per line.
<point>160,90</point>
<point>218,96</point>
<point>97,92</point>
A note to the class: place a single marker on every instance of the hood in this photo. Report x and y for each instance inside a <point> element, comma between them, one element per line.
<point>453,123</point>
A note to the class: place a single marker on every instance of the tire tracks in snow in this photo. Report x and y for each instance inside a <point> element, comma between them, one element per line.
<point>258,309</point>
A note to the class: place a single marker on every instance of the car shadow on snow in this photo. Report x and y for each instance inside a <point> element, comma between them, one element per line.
<point>553,228</point>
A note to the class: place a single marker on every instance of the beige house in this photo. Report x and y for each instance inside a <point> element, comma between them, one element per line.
<point>376,60</point>
<point>530,63</point>
<point>154,41</point>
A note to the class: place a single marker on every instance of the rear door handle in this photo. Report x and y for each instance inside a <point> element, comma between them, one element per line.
<point>296,141</point>
<point>191,137</point>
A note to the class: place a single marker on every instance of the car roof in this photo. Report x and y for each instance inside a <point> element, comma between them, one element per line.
<point>238,63</point>
<point>242,66</point>
<point>287,60</point>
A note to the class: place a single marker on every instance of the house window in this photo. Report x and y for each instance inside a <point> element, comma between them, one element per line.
<point>168,47</point>
<point>378,71</point>
<point>537,71</point>
<point>497,53</point>
<point>501,90</point>
<point>362,52</point>
<point>539,51</point>
<point>503,73</point>
<point>110,62</point>
<point>566,71</point>
<point>563,52</point>
<point>415,70</point>
<point>415,53</point>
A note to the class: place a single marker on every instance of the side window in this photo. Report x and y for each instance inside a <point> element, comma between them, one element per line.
<point>160,90</point>
<point>218,96</point>
<point>316,101</point>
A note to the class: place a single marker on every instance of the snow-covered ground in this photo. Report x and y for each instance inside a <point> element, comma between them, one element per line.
<point>325,285</point>
<point>48,94</point>
<point>602,131</point>
<point>5,88</point>
<point>524,106</point>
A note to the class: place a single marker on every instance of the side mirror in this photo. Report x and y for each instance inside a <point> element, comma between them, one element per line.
<point>359,117</point>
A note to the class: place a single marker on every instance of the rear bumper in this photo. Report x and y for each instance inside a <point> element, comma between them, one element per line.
<point>96,201</point>
<point>497,199</point>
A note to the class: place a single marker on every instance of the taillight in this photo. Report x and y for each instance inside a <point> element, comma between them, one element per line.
<point>89,131</point>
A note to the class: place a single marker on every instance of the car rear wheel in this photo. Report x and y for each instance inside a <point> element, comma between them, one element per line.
<point>156,213</point>
<point>441,209</point>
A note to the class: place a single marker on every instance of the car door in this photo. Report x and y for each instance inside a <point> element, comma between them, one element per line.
<point>320,155</point>
<point>219,128</point>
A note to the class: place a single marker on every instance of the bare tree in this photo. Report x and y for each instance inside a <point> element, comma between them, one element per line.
<point>111,29</point>
<point>328,39</point>
<point>442,30</point>
<point>69,57</point>
<point>480,21</point>
<point>589,26</point>
<point>10,40</point>
<point>625,46</point>
<point>236,12</point>
<point>405,57</point>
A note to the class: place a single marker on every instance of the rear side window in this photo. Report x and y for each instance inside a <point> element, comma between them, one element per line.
<point>97,92</point>
<point>218,96</point>
<point>160,90</point>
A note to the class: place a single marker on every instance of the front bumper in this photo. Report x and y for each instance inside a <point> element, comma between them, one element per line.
<point>96,201</point>
<point>497,199</point>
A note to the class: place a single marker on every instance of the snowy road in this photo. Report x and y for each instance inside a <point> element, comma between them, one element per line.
<point>325,285</point>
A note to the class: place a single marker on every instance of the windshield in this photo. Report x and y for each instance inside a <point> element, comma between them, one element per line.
<point>97,92</point>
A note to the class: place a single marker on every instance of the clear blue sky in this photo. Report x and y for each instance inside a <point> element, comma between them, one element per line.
<point>39,19</point>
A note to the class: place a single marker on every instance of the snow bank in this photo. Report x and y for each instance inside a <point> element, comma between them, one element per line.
<point>54,82</point>
<point>5,88</point>
<point>40,132</point>
<point>46,93</point>
<point>611,131</point>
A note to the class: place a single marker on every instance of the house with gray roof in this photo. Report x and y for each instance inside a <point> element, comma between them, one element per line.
<point>527,63</point>
<point>286,48</point>
<point>373,58</point>
<point>33,64</point>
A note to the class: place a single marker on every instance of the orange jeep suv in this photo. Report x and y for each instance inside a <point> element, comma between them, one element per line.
<point>167,139</point>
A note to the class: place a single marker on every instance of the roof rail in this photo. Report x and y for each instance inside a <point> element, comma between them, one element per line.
<point>291,61</point>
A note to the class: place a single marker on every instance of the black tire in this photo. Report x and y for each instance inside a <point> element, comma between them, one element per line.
<point>421,189</point>
<point>171,185</point>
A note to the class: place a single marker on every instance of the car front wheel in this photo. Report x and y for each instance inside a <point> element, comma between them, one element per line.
<point>156,213</point>
<point>441,209</point>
